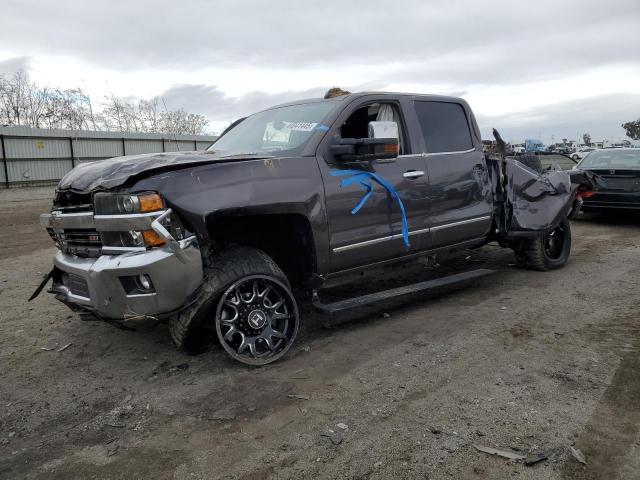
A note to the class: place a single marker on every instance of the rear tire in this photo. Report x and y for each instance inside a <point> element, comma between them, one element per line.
<point>547,252</point>
<point>194,329</point>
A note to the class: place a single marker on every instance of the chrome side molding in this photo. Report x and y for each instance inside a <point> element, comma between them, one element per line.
<point>373,241</point>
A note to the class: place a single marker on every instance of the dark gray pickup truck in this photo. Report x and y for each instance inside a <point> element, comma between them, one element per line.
<point>286,200</point>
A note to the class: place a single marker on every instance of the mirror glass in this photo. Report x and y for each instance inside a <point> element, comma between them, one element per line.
<point>383,129</point>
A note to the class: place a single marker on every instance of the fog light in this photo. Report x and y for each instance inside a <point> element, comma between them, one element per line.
<point>145,282</point>
<point>137,284</point>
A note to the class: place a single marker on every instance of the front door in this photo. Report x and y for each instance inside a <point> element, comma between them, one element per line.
<point>374,234</point>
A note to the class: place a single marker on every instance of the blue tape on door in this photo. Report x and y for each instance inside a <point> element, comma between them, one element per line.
<point>364,179</point>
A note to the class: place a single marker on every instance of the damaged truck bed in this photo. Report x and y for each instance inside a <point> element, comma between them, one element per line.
<point>288,200</point>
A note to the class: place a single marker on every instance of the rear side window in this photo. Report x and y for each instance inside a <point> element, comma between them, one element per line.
<point>444,126</point>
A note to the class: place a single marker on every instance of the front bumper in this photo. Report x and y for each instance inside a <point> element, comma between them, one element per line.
<point>105,283</point>
<point>96,284</point>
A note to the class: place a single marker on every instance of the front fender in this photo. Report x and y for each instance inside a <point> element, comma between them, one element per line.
<point>291,185</point>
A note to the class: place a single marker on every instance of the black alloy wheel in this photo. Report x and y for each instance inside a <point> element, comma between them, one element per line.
<point>554,243</point>
<point>257,319</point>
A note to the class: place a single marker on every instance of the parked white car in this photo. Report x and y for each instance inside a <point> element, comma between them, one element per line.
<point>580,154</point>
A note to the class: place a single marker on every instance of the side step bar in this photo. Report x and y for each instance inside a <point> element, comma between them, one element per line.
<point>396,292</point>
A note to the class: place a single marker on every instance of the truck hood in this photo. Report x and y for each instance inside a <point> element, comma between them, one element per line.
<point>114,172</point>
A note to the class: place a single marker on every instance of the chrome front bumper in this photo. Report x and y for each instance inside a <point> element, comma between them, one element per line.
<point>174,281</point>
<point>100,284</point>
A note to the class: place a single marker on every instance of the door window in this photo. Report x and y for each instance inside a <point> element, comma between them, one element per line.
<point>444,126</point>
<point>357,125</point>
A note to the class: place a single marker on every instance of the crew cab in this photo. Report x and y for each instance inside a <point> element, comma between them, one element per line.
<point>285,201</point>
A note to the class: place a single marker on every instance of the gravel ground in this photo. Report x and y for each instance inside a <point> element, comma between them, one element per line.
<point>525,361</point>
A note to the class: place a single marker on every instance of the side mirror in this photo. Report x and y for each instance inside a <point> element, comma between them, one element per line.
<point>381,144</point>
<point>383,130</point>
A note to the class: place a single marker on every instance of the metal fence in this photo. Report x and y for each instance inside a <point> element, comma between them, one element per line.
<point>32,156</point>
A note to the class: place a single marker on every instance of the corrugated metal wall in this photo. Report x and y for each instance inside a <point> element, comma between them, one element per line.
<point>31,156</point>
<point>3,175</point>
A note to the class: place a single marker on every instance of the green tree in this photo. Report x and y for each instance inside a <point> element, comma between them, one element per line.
<point>632,129</point>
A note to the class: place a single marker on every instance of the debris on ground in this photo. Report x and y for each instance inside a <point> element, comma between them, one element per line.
<point>299,397</point>
<point>64,347</point>
<point>335,437</point>
<point>499,452</point>
<point>578,455</point>
<point>342,426</point>
<point>435,430</point>
<point>533,459</point>
<point>222,417</point>
<point>46,349</point>
<point>112,451</point>
<point>386,315</point>
<point>179,367</point>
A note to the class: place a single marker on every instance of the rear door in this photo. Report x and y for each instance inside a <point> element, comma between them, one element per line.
<point>374,233</point>
<point>460,203</point>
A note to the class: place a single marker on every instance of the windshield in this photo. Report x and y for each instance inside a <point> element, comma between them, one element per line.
<point>612,158</point>
<point>275,130</point>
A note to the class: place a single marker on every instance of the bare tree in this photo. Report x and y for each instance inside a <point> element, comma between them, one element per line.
<point>181,122</point>
<point>587,139</point>
<point>23,102</point>
<point>632,129</point>
<point>150,116</point>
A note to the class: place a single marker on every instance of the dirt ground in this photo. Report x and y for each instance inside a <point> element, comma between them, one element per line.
<point>526,361</point>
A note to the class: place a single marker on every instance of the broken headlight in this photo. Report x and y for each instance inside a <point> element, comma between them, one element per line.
<point>123,239</point>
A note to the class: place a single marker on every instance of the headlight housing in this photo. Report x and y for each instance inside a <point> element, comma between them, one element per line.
<point>132,204</point>
<point>125,203</point>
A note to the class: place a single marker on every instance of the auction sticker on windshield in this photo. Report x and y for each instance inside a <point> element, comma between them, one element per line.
<point>300,126</point>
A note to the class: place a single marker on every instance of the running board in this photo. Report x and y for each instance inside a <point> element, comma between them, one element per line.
<point>396,292</point>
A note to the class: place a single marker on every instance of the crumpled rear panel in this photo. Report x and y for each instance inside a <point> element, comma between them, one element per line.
<point>536,200</point>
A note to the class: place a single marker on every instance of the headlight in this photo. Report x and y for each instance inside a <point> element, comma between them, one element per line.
<point>117,204</point>
<point>124,203</point>
<point>123,239</point>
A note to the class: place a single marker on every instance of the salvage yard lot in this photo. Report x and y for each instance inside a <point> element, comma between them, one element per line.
<point>534,362</point>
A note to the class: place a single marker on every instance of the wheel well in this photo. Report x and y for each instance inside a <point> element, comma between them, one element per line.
<point>286,238</point>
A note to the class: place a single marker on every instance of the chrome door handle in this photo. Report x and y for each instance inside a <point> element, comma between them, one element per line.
<point>413,174</point>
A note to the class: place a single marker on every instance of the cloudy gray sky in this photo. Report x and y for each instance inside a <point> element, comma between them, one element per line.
<point>532,69</point>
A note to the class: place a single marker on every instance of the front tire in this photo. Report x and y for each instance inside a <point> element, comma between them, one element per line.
<point>257,319</point>
<point>547,252</point>
<point>225,281</point>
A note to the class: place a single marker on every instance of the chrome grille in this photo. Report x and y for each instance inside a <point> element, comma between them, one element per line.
<point>80,242</point>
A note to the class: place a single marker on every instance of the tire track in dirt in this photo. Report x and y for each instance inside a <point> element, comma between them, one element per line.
<point>609,436</point>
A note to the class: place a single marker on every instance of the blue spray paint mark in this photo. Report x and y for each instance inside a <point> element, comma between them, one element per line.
<point>364,179</point>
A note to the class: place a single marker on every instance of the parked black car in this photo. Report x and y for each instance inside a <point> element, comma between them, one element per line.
<point>615,177</point>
